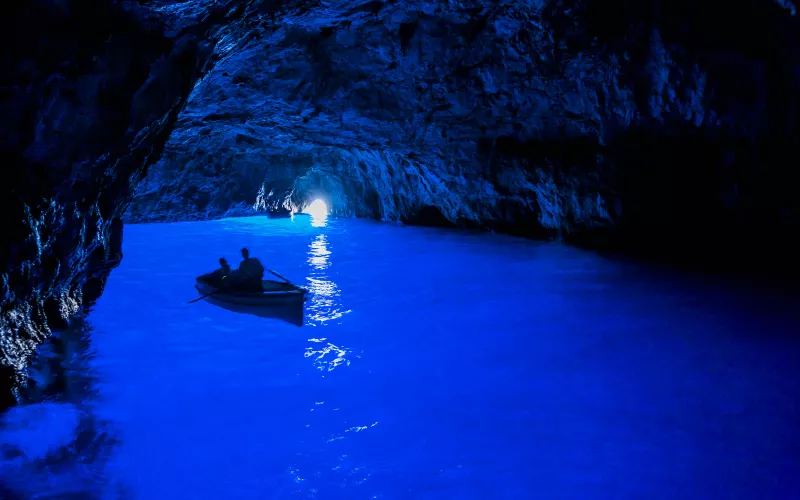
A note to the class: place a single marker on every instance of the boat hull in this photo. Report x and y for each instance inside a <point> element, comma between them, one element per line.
<point>279,301</point>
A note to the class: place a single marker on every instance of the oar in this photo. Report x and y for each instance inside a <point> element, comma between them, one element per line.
<point>204,296</point>
<point>286,280</point>
<point>207,295</point>
<point>279,276</point>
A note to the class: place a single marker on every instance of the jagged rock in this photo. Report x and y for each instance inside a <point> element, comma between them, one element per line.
<point>91,90</point>
<point>582,119</point>
<point>599,121</point>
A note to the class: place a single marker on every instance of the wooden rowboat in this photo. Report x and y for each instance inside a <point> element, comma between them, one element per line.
<point>276,300</point>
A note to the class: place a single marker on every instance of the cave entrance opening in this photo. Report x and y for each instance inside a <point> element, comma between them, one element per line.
<point>317,209</point>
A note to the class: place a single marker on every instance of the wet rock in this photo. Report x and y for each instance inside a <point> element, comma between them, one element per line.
<point>618,122</point>
<point>600,123</point>
<point>91,91</point>
<point>428,215</point>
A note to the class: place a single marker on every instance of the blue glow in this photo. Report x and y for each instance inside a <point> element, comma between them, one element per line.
<point>433,364</point>
<point>318,211</point>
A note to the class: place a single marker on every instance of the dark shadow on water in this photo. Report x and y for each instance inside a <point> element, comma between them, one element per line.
<point>52,445</point>
<point>292,313</point>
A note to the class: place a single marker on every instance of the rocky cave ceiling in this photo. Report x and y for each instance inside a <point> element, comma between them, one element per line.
<point>668,119</point>
<point>499,114</point>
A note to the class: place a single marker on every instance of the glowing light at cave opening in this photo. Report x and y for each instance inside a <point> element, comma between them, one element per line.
<point>318,209</point>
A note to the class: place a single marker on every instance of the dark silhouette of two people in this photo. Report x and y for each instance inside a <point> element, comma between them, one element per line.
<point>247,278</point>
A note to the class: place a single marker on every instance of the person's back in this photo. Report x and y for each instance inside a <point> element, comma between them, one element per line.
<point>219,277</point>
<point>250,272</point>
<point>251,268</point>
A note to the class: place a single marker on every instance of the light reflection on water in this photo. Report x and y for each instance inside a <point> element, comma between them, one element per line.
<point>325,302</point>
<point>54,444</point>
<point>319,220</point>
<point>324,308</point>
<point>569,353</point>
<point>318,253</point>
<point>327,356</point>
<point>325,305</point>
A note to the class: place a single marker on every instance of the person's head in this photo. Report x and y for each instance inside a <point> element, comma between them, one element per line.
<point>245,253</point>
<point>223,262</point>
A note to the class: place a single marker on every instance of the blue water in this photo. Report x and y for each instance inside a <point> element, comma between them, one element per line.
<point>433,365</point>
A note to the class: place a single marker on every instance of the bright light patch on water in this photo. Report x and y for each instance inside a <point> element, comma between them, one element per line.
<point>497,367</point>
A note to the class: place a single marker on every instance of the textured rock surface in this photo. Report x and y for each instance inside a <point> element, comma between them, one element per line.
<point>90,92</point>
<point>586,119</point>
<point>637,119</point>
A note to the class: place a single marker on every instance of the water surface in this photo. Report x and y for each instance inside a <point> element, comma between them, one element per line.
<point>433,365</point>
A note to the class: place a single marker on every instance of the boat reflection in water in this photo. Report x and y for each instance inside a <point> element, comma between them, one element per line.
<point>288,308</point>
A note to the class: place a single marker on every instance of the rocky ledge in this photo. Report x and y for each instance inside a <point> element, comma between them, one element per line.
<point>91,90</point>
<point>618,123</point>
<point>622,124</point>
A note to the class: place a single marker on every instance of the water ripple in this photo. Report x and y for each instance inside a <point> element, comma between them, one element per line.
<point>325,301</point>
<point>328,357</point>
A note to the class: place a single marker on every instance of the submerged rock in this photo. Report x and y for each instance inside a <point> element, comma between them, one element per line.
<point>53,444</point>
<point>34,431</point>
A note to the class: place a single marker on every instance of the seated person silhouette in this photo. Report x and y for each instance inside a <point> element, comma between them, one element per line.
<point>250,273</point>
<point>221,277</point>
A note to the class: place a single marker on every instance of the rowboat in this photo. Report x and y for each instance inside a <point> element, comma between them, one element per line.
<point>280,300</point>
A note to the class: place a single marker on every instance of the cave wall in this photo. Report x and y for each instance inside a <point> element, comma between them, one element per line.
<point>398,105</point>
<point>605,123</point>
<point>91,90</point>
<point>574,118</point>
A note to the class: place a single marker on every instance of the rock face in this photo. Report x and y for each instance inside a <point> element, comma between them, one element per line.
<point>602,122</point>
<point>91,90</point>
<point>613,123</point>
